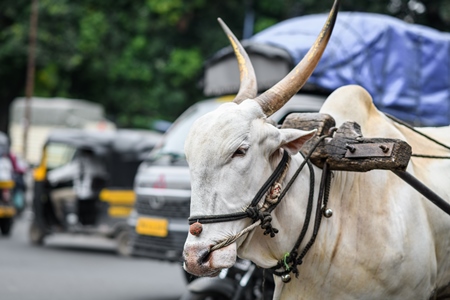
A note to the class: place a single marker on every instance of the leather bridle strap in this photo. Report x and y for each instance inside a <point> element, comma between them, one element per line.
<point>250,211</point>
<point>292,259</point>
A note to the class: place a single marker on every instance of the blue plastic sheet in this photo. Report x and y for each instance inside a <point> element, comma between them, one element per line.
<point>405,67</point>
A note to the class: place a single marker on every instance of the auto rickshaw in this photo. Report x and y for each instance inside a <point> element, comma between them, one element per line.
<point>7,210</point>
<point>84,183</point>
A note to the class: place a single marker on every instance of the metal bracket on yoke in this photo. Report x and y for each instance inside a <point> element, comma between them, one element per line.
<point>348,150</point>
<point>369,150</point>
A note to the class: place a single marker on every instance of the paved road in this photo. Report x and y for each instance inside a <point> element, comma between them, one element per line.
<point>68,268</point>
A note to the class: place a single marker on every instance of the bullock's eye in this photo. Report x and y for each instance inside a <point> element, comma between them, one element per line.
<point>241,151</point>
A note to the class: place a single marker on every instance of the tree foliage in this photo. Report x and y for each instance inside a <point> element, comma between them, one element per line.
<point>143,59</point>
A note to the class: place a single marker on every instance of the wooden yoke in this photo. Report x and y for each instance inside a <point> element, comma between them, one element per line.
<point>346,149</point>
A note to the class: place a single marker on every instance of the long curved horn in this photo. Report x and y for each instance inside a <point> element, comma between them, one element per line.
<point>248,88</point>
<point>274,98</point>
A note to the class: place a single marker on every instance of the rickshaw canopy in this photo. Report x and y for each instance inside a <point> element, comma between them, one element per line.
<point>121,150</point>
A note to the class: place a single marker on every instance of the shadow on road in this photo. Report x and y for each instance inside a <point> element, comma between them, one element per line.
<point>81,249</point>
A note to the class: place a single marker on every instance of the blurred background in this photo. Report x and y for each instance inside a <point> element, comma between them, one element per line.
<point>112,77</point>
<point>142,60</point>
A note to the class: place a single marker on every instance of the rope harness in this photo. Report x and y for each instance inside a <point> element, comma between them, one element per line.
<point>261,213</point>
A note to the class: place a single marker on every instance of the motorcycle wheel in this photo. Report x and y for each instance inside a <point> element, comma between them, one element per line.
<point>5,226</point>
<point>203,296</point>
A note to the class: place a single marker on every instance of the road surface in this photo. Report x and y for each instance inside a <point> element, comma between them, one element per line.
<point>73,268</point>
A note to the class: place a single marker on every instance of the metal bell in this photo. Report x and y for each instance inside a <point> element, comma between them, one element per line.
<point>286,278</point>
<point>327,213</point>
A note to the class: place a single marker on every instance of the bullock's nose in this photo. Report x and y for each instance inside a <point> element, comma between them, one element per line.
<point>196,260</point>
<point>196,228</point>
<point>196,257</point>
<point>200,261</point>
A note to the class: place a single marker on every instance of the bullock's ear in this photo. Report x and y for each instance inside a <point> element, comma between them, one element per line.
<point>293,139</point>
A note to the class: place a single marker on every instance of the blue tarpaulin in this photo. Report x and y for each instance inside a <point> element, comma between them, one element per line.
<point>405,67</point>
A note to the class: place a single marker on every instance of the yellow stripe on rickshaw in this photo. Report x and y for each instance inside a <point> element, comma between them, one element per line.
<point>8,184</point>
<point>124,197</point>
<point>7,211</point>
<point>40,172</point>
<point>120,211</point>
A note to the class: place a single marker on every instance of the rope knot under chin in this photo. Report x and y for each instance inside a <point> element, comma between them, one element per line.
<point>265,218</point>
<point>253,213</point>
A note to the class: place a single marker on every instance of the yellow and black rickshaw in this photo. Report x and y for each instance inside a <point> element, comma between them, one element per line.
<point>84,183</point>
<point>7,210</point>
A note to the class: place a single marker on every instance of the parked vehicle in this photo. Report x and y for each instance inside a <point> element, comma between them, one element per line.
<point>7,210</point>
<point>84,183</point>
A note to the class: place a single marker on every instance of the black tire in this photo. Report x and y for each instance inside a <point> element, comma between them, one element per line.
<point>204,296</point>
<point>5,226</point>
<point>36,234</point>
<point>123,240</point>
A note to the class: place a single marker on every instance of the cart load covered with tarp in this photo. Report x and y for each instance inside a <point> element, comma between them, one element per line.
<point>405,67</point>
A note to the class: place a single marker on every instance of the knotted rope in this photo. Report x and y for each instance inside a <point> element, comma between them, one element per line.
<point>235,237</point>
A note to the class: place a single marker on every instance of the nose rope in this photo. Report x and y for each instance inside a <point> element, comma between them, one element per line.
<point>235,237</point>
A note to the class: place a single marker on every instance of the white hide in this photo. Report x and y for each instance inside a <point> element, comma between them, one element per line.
<point>384,241</point>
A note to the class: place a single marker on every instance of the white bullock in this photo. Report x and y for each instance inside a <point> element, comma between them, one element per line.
<point>384,240</point>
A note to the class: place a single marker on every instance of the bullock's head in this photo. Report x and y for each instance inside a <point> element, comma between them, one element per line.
<point>234,149</point>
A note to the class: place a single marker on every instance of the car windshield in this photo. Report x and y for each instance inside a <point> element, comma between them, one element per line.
<point>173,143</point>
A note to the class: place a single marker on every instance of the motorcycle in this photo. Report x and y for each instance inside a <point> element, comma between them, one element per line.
<point>243,281</point>
<point>7,211</point>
